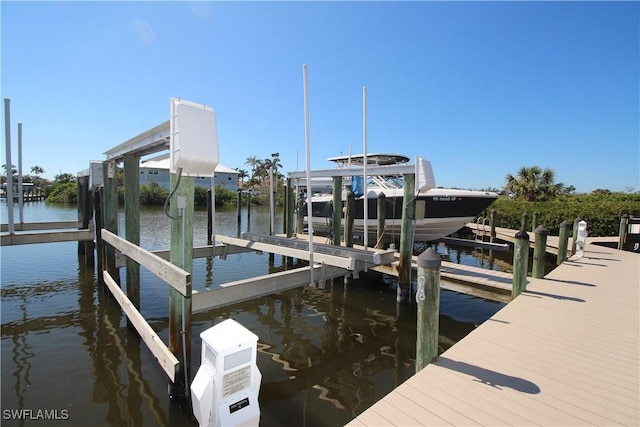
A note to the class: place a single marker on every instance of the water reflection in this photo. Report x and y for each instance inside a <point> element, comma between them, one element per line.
<point>325,354</point>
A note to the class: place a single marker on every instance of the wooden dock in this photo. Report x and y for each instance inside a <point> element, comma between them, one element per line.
<point>565,352</point>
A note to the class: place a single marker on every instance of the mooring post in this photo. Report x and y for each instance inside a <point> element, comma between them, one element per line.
<point>381,212</point>
<point>524,223</point>
<point>181,254</point>
<point>97,208</point>
<point>534,222</point>
<point>290,205</point>
<point>110,215</point>
<point>301,208</point>
<point>563,241</point>
<point>239,205</point>
<point>520,263</point>
<point>428,301</point>
<point>624,226</point>
<point>574,235</point>
<point>406,239</point>
<point>210,203</point>
<point>336,218</point>
<point>85,215</point>
<point>248,210</point>
<point>539,251</point>
<point>349,218</point>
<point>493,220</point>
<point>132,223</point>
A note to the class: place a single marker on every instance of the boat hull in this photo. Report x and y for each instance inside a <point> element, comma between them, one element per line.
<point>438,213</point>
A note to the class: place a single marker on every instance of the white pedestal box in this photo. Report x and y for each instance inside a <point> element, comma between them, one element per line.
<point>225,389</point>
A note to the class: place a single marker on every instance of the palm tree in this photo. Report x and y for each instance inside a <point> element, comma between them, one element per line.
<point>252,162</point>
<point>533,183</point>
<point>242,174</point>
<point>37,171</point>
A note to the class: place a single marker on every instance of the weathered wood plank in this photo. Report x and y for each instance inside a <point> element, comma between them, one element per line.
<point>347,263</point>
<point>176,277</point>
<point>50,225</point>
<point>44,237</point>
<point>242,290</point>
<point>167,360</point>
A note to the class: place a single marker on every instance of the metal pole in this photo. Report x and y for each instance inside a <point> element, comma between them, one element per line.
<point>364,168</point>
<point>308,149</point>
<point>9,169</point>
<point>20,189</point>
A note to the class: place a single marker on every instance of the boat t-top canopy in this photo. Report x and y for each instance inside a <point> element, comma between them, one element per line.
<point>378,159</point>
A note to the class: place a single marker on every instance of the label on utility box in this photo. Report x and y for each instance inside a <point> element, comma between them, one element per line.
<point>236,381</point>
<point>238,405</point>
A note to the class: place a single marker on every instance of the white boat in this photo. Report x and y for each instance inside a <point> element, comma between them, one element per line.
<point>439,211</point>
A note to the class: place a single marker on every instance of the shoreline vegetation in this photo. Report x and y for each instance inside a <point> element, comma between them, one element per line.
<point>531,190</point>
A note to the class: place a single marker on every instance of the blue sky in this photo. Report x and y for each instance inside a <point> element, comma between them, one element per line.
<point>478,88</point>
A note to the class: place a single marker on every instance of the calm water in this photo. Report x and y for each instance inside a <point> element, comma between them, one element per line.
<point>325,355</point>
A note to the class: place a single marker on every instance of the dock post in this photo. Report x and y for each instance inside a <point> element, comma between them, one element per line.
<point>84,209</point>
<point>493,220</point>
<point>624,225</point>
<point>132,223</point>
<point>574,235</point>
<point>534,222</point>
<point>563,240</point>
<point>210,203</point>
<point>248,210</point>
<point>181,209</point>
<point>348,219</point>
<point>239,206</point>
<point>300,213</point>
<point>520,263</point>
<point>337,210</point>
<point>524,223</point>
<point>428,301</point>
<point>406,239</point>
<point>110,215</point>
<point>97,209</point>
<point>539,251</point>
<point>289,201</point>
<point>381,212</point>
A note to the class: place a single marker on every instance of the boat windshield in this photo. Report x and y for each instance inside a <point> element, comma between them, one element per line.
<point>387,182</point>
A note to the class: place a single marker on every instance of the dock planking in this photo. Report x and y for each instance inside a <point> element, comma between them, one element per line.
<point>565,352</point>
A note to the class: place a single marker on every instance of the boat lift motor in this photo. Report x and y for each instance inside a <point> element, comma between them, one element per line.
<point>225,389</point>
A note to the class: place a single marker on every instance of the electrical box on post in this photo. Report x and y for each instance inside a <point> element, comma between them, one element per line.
<point>193,144</point>
<point>225,389</point>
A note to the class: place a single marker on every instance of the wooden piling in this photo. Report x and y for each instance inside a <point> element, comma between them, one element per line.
<point>349,219</point>
<point>574,235</point>
<point>524,223</point>
<point>428,301</point>
<point>290,207</point>
<point>539,251</point>
<point>624,229</point>
<point>381,213</point>
<point>406,239</point>
<point>534,222</point>
<point>181,209</point>
<point>493,221</point>
<point>563,241</point>
<point>85,216</point>
<point>132,223</point>
<point>110,215</point>
<point>520,263</point>
<point>210,207</point>
<point>336,218</point>
<point>97,207</point>
<point>300,212</point>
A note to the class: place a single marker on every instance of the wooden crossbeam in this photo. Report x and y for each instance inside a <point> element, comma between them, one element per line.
<point>242,290</point>
<point>167,360</point>
<point>176,277</point>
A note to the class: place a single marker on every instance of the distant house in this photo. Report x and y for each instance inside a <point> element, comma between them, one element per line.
<point>157,170</point>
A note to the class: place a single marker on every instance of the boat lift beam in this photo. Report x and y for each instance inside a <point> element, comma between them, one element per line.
<point>379,257</point>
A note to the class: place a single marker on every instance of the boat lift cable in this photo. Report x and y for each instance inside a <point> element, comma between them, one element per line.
<point>166,201</point>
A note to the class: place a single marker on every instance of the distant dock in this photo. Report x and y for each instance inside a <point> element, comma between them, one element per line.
<point>565,352</point>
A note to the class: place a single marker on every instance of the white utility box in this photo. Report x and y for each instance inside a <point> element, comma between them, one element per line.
<point>193,144</point>
<point>225,389</point>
